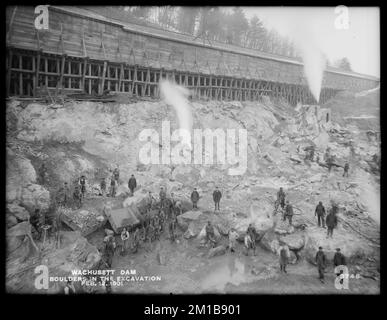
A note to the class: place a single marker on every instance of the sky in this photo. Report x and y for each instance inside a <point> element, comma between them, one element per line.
<point>359,42</point>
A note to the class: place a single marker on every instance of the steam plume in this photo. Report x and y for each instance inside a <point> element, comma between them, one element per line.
<point>176,96</point>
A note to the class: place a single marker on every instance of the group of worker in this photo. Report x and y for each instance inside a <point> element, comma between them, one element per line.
<point>328,158</point>
<point>157,219</point>
<point>330,220</point>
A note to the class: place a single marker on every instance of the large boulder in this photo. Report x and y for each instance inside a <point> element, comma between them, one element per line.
<point>218,251</point>
<point>295,241</point>
<point>34,196</point>
<point>20,213</point>
<point>283,227</point>
<point>270,241</point>
<point>138,200</point>
<point>351,246</point>
<point>185,219</point>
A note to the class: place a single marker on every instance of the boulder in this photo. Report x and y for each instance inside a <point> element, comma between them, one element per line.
<point>138,200</point>
<point>283,227</point>
<point>18,212</point>
<point>34,196</point>
<point>185,219</point>
<point>270,241</point>
<point>295,241</point>
<point>202,233</point>
<point>351,246</point>
<point>218,251</point>
<point>10,221</point>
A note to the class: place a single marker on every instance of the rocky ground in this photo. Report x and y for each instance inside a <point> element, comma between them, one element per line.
<point>92,138</point>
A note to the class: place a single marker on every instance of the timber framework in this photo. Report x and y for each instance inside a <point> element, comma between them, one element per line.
<point>85,52</point>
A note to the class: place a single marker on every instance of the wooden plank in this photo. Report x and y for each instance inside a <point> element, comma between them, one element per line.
<point>103,78</point>
<point>9,71</point>
<point>9,33</point>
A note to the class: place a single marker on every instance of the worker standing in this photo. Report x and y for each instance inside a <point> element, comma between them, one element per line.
<point>163,196</point>
<point>135,240</point>
<point>125,238</point>
<point>217,195</point>
<point>288,212</point>
<point>321,263</point>
<point>172,229</point>
<point>195,198</point>
<point>346,169</point>
<point>331,220</point>
<point>281,197</point>
<point>339,260</point>
<point>116,174</point>
<point>82,182</point>
<point>283,258</point>
<point>103,187</point>
<point>320,213</point>
<point>232,238</point>
<point>210,234</point>
<point>113,187</point>
<point>132,184</point>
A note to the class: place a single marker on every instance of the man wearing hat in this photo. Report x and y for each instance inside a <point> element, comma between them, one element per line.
<point>320,213</point>
<point>284,257</point>
<point>195,198</point>
<point>321,262</point>
<point>339,260</point>
<point>217,195</point>
<point>288,212</point>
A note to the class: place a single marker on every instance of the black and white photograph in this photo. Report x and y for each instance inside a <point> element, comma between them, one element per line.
<point>192,150</point>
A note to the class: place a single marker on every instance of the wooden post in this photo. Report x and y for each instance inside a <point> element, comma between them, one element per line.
<point>9,33</point>
<point>9,71</point>
<point>121,77</point>
<point>101,89</point>
<point>84,74</point>
<point>20,76</point>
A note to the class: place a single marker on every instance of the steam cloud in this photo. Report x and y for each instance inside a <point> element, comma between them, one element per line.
<point>306,41</point>
<point>176,96</point>
<point>314,65</point>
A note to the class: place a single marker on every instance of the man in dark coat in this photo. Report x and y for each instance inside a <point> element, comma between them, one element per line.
<point>82,182</point>
<point>321,263</point>
<point>288,212</point>
<point>346,169</point>
<point>132,184</point>
<point>283,259</point>
<point>195,198</point>
<point>103,186</point>
<point>116,174</point>
<point>217,195</point>
<point>281,197</point>
<point>210,234</point>
<point>339,260</point>
<point>163,196</point>
<point>331,220</point>
<point>320,213</point>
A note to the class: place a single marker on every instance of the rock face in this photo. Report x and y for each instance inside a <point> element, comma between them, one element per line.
<point>350,245</point>
<point>34,196</point>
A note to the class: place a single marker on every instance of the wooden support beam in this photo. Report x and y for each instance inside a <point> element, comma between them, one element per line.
<point>9,71</point>
<point>84,44</point>
<point>20,76</point>
<point>9,33</point>
<point>102,87</point>
<point>84,73</point>
<point>121,77</point>
<point>62,71</point>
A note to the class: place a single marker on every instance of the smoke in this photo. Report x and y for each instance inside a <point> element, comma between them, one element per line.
<point>302,30</point>
<point>314,66</point>
<point>176,96</point>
